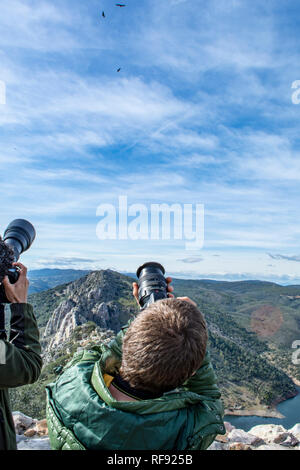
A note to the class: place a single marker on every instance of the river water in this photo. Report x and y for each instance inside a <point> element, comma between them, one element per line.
<point>290,409</point>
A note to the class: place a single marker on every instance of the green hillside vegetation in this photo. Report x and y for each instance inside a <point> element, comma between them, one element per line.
<point>251,368</point>
<point>242,299</point>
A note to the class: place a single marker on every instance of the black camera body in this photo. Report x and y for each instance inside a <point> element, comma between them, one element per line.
<point>152,283</point>
<point>19,236</point>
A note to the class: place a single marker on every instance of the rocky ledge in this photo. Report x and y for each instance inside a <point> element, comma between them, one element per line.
<point>33,435</point>
<point>262,437</point>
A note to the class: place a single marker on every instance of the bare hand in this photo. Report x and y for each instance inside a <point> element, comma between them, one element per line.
<point>17,293</point>
<point>135,290</point>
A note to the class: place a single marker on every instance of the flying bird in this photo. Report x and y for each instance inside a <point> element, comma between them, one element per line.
<point>103,14</point>
<point>120,5</point>
<point>118,70</point>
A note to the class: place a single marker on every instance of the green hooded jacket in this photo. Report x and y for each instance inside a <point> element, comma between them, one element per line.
<point>20,364</point>
<point>82,414</point>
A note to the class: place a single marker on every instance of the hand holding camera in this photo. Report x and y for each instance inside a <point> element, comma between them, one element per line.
<point>16,293</point>
<point>152,285</point>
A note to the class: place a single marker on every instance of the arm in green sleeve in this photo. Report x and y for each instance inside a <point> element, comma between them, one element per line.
<point>20,357</point>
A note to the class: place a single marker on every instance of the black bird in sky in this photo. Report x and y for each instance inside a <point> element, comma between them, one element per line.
<point>118,70</point>
<point>103,14</point>
<point>120,5</point>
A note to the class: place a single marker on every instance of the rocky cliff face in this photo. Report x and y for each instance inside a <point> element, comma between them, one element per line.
<point>103,297</point>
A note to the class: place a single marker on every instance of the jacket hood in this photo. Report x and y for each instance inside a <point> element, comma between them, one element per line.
<point>170,401</point>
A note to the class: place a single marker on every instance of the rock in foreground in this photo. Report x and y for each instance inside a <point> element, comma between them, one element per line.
<point>262,437</point>
<point>31,433</point>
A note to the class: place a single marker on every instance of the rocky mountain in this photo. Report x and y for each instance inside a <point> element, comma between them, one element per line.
<point>101,297</point>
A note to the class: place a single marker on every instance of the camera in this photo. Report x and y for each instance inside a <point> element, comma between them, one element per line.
<point>152,283</point>
<point>19,236</point>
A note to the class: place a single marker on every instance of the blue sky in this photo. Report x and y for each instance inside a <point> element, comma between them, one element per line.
<point>200,112</point>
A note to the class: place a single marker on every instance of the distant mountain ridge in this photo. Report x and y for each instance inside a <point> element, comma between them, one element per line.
<point>46,278</point>
<point>43,279</point>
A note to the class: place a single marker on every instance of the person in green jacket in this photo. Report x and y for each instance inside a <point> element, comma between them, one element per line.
<point>20,354</point>
<point>151,388</point>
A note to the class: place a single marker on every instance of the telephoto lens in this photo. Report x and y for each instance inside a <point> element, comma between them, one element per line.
<point>19,236</point>
<point>152,283</point>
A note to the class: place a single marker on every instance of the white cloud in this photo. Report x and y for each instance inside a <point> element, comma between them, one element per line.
<point>201,113</point>
<point>191,259</point>
<point>40,25</point>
